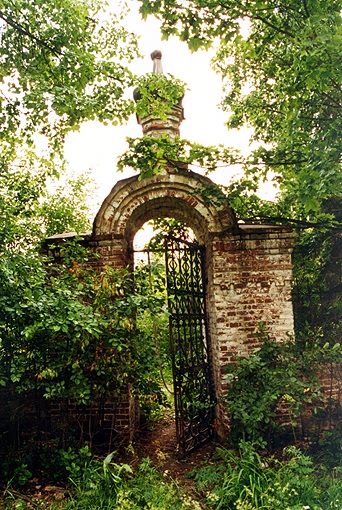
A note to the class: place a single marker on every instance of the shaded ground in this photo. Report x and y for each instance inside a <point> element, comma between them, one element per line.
<point>159,445</point>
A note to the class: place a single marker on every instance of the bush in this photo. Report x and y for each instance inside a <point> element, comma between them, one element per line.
<point>274,374</point>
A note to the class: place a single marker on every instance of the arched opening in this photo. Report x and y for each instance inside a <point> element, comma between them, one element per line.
<point>169,263</point>
<point>150,280</point>
<point>182,196</point>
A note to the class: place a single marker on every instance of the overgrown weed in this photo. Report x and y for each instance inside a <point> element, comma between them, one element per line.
<point>245,479</point>
<point>107,485</point>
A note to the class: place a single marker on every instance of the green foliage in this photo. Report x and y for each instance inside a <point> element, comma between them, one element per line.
<point>76,462</point>
<point>114,486</point>
<point>249,207</point>
<point>282,379</point>
<point>96,484</point>
<point>279,63</point>
<point>198,23</point>
<point>150,155</point>
<point>62,63</point>
<point>30,291</point>
<point>150,279</point>
<point>34,203</point>
<point>154,362</point>
<point>154,490</point>
<point>164,227</point>
<point>157,94</point>
<point>65,330</point>
<point>45,460</point>
<point>69,332</point>
<point>281,75</point>
<point>328,449</point>
<point>317,284</point>
<point>21,475</point>
<point>276,373</point>
<point>242,479</point>
<point>246,480</point>
<point>20,192</point>
<point>64,208</point>
<point>289,60</point>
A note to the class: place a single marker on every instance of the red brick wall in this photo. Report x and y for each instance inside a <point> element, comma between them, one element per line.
<point>250,275</point>
<point>99,422</point>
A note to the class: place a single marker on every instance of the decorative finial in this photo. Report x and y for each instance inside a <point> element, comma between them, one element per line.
<point>153,122</point>
<point>156,56</point>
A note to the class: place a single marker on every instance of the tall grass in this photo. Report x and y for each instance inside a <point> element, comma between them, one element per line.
<point>246,480</point>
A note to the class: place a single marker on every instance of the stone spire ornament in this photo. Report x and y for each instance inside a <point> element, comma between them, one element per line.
<point>156,56</point>
<point>152,125</point>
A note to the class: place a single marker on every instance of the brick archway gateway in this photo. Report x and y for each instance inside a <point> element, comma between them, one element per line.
<point>248,267</point>
<point>133,202</point>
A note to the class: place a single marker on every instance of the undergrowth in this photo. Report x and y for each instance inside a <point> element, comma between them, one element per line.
<point>108,485</point>
<point>245,476</point>
<point>245,479</point>
<point>236,479</point>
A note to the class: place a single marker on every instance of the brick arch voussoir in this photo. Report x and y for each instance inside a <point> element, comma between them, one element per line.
<point>133,202</point>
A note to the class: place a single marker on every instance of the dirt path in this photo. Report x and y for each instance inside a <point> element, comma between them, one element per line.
<point>159,445</point>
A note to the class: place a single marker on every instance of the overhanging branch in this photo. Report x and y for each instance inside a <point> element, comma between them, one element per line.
<point>23,31</point>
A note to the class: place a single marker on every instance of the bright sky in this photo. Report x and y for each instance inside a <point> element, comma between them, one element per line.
<point>96,147</point>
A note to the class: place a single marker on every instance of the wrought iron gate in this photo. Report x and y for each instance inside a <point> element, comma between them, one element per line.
<point>193,387</point>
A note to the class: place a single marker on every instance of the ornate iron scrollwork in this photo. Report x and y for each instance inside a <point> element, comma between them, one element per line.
<point>193,387</point>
